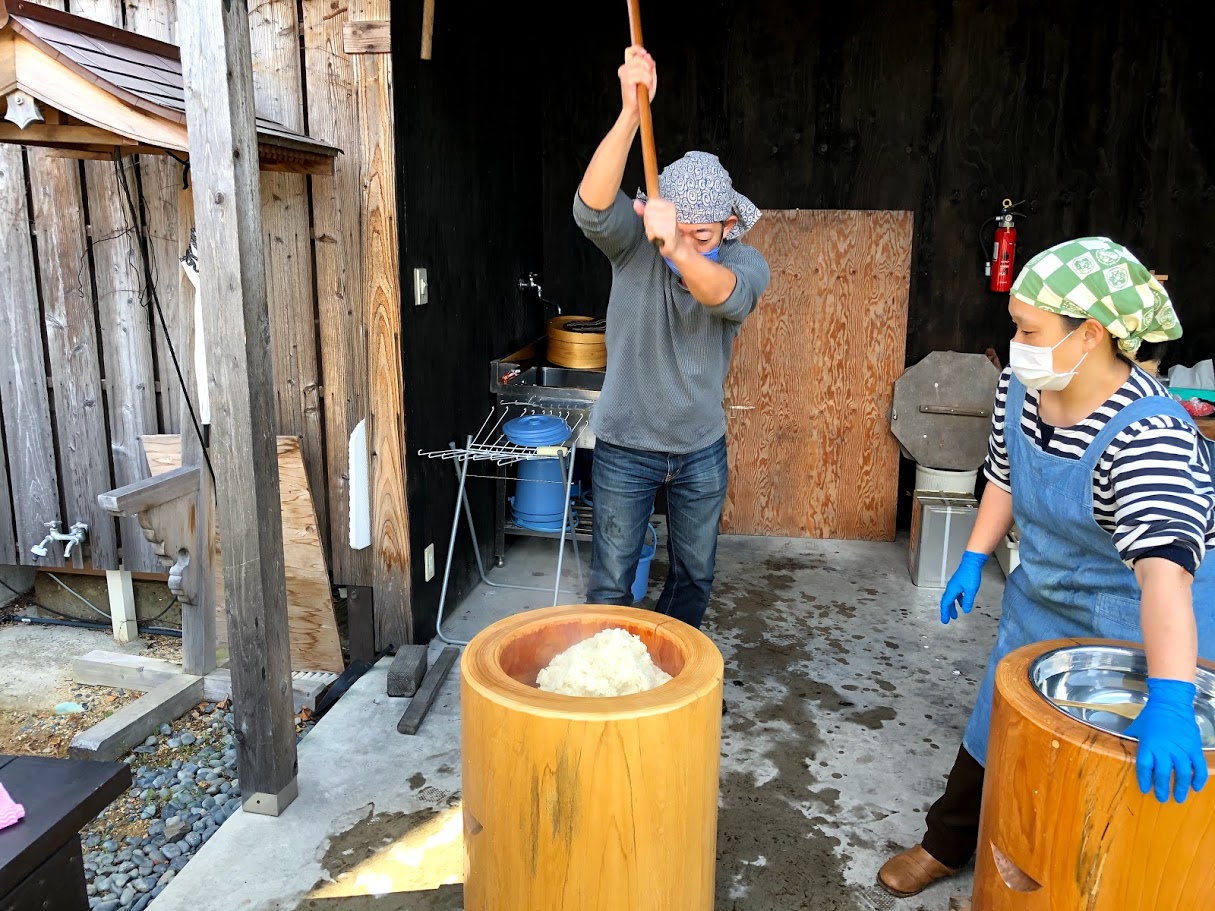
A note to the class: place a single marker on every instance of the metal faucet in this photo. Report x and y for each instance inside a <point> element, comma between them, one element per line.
<point>530,284</point>
<point>75,538</point>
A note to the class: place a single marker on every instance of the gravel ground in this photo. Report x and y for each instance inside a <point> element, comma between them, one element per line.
<point>185,786</point>
<point>185,780</point>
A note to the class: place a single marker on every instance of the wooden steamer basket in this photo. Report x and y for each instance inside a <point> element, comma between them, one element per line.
<point>1064,825</point>
<point>589,803</point>
<point>586,350</point>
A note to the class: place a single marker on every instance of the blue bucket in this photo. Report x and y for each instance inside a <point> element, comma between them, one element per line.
<point>540,490</point>
<point>641,583</point>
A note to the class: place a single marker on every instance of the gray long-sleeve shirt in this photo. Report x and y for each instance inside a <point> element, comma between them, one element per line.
<point>667,353</point>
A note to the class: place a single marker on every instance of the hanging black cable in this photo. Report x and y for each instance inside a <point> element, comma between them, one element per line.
<point>150,290</point>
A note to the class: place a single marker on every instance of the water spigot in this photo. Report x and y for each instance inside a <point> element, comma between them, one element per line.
<point>530,284</point>
<point>40,549</point>
<point>78,533</point>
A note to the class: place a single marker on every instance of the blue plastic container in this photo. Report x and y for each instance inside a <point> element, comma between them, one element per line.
<point>540,490</point>
<point>641,582</point>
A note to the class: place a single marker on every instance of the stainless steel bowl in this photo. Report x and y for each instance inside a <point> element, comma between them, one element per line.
<point>1110,675</point>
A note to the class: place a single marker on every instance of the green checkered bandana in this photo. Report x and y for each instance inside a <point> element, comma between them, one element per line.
<point>1095,277</point>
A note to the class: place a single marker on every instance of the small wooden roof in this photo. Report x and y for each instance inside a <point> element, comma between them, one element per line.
<point>93,90</point>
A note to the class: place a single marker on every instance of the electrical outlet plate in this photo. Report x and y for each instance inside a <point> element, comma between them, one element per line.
<point>421,291</point>
<point>430,561</point>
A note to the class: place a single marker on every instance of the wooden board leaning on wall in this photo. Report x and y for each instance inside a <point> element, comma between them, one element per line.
<point>809,392</point>
<point>314,637</point>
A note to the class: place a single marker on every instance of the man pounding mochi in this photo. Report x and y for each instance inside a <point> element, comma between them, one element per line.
<point>682,283</point>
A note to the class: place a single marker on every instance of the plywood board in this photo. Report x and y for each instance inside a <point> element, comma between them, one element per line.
<point>337,225</point>
<point>23,393</point>
<point>313,630</point>
<point>812,380</point>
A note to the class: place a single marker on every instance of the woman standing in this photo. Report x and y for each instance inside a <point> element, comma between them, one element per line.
<point>1110,485</point>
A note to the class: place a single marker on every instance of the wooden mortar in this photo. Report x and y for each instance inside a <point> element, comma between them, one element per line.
<point>1064,825</point>
<point>594,804</point>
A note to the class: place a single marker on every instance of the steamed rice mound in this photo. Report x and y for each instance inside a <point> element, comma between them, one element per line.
<point>613,662</point>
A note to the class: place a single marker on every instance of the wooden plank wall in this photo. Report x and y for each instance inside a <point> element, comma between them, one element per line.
<point>812,378</point>
<point>160,179</point>
<point>122,315</point>
<point>382,309</point>
<point>71,284</point>
<point>28,434</point>
<point>337,210</point>
<point>278,92</point>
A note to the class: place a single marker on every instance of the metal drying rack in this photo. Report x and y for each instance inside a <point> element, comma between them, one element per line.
<point>489,444</point>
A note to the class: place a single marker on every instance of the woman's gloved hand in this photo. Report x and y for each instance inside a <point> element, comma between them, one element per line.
<point>963,586</point>
<point>1170,747</point>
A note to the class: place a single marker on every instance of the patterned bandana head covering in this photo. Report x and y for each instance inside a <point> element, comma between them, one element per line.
<point>701,189</point>
<point>1093,277</point>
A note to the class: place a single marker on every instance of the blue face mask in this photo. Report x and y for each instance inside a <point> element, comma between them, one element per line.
<point>712,256</point>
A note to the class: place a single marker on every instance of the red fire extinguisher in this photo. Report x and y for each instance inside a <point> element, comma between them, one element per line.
<point>1003,250</point>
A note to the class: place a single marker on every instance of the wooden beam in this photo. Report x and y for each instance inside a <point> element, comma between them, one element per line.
<point>420,704</point>
<point>371,36</point>
<point>135,672</point>
<point>428,28</point>
<point>113,737</point>
<point>38,133</point>
<point>135,498</point>
<point>8,63</point>
<point>382,309</point>
<point>217,71</point>
<point>122,671</point>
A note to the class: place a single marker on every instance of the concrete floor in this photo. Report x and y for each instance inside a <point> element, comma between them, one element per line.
<point>847,700</point>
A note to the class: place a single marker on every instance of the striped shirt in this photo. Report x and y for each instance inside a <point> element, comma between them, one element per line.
<point>1152,485</point>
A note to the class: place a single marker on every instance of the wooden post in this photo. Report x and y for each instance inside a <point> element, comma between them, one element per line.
<point>360,622</point>
<point>198,622</point>
<point>382,308</point>
<point>217,73</point>
<point>122,605</point>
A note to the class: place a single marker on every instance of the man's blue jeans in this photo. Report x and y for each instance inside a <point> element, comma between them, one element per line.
<point>624,483</point>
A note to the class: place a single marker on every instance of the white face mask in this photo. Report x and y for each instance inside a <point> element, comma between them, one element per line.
<point>1035,366</point>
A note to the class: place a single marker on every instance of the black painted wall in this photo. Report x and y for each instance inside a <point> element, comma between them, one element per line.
<point>468,160</point>
<point>1099,117</point>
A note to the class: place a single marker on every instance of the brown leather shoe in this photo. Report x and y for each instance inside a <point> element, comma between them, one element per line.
<point>911,872</point>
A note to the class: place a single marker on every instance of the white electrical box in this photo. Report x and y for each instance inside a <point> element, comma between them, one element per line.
<point>421,293</point>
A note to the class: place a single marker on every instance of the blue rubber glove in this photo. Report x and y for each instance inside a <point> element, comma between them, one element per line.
<point>963,586</point>
<point>1169,743</point>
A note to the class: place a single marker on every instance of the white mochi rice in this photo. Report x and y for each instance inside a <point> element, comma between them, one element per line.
<point>613,662</point>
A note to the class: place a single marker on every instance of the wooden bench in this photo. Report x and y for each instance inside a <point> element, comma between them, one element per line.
<point>41,864</point>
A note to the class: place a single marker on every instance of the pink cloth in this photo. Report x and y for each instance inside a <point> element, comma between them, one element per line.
<point>10,811</point>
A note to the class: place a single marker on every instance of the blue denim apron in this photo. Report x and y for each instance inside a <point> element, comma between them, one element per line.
<point>1070,581</point>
